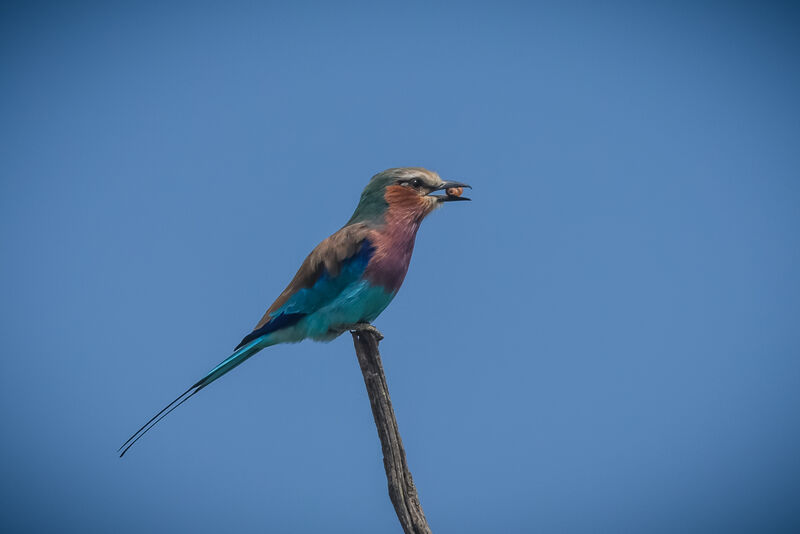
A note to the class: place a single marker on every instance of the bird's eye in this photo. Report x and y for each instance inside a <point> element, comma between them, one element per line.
<point>416,182</point>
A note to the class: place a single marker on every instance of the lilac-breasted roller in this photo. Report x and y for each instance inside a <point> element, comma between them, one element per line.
<point>349,279</point>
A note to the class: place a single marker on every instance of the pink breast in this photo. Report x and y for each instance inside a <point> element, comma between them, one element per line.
<point>393,248</point>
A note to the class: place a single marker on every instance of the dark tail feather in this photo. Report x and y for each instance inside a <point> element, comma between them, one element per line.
<point>276,323</point>
<point>158,417</point>
<point>228,364</point>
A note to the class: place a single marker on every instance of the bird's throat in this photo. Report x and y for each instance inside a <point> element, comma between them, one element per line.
<point>394,245</point>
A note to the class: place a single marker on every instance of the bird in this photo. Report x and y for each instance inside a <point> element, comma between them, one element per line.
<point>348,279</point>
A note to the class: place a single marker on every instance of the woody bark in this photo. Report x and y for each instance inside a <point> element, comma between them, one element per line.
<point>402,491</point>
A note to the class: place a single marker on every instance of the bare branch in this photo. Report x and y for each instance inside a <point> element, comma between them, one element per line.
<point>402,491</point>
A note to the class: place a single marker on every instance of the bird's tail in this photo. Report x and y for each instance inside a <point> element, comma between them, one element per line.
<point>239,356</point>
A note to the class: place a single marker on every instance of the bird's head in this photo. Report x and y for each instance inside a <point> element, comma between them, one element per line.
<point>407,191</point>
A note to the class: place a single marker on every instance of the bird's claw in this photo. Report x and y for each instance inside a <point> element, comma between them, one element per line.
<point>361,327</point>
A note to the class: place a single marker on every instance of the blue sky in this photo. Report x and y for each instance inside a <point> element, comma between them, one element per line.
<point>605,340</point>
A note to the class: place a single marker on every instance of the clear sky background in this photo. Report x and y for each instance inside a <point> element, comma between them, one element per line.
<point>607,339</point>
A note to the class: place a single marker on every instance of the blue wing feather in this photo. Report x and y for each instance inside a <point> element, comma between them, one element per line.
<point>326,289</point>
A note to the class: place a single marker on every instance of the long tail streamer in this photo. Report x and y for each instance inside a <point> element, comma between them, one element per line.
<point>228,364</point>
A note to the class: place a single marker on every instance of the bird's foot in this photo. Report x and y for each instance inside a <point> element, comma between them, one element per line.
<point>365,327</point>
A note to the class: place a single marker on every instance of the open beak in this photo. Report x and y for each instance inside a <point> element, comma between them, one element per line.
<point>449,188</point>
